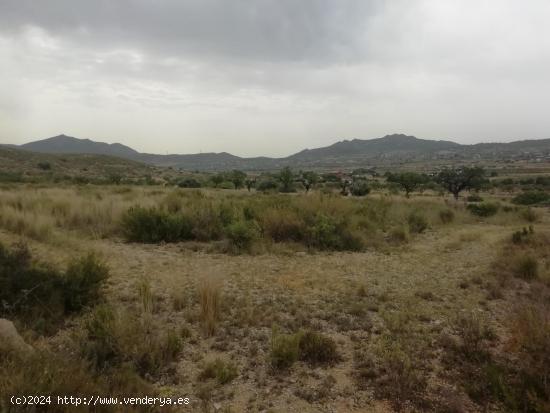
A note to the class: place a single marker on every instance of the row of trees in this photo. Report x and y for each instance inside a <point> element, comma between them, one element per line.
<point>452,180</point>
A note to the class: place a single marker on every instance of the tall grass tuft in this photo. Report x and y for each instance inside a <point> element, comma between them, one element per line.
<point>210,304</point>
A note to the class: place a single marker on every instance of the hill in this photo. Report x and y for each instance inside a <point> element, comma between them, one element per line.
<point>388,150</point>
<point>23,165</point>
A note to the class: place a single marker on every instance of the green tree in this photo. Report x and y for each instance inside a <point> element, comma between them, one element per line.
<point>238,178</point>
<point>217,179</point>
<point>309,179</point>
<point>250,183</point>
<point>408,181</point>
<point>458,180</point>
<point>286,177</point>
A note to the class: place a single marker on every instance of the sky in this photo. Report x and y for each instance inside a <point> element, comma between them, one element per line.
<point>272,77</point>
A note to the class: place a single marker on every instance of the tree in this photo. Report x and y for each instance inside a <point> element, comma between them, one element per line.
<point>309,178</point>
<point>237,177</point>
<point>250,183</point>
<point>217,179</point>
<point>286,177</point>
<point>409,181</point>
<point>344,185</point>
<point>458,180</point>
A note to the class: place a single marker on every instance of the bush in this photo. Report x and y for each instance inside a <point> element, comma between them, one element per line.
<point>316,348</point>
<point>45,166</point>
<point>473,333</point>
<point>522,236</point>
<point>283,225</point>
<point>417,223</point>
<point>267,185</point>
<point>100,346</point>
<point>329,234</point>
<point>112,340</point>
<point>40,296</point>
<point>82,282</point>
<point>530,215</point>
<point>242,234</point>
<point>227,185</point>
<point>399,235</point>
<point>285,350</point>
<point>446,216</point>
<point>151,225</point>
<point>311,347</point>
<point>223,372</point>
<point>360,188</point>
<point>474,198</point>
<point>189,183</point>
<point>531,198</point>
<point>526,267</point>
<point>485,209</point>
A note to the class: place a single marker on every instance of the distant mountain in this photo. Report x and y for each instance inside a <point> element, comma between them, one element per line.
<point>68,144</point>
<point>389,144</point>
<point>388,150</point>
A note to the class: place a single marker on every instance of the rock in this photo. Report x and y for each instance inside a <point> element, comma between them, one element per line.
<point>10,340</point>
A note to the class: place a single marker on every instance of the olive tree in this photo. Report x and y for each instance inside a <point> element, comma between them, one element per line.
<point>460,179</point>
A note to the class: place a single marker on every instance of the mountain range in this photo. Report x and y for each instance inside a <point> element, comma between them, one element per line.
<point>390,149</point>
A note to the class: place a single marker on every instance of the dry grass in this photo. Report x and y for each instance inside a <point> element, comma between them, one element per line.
<point>210,304</point>
<point>383,310</point>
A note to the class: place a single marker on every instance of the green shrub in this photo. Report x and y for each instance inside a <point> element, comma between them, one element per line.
<point>223,372</point>
<point>311,347</point>
<point>417,223</point>
<point>242,234</point>
<point>82,282</point>
<point>485,209</point>
<point>227,185</point>
<point>531,198</point>
<point>100,346</point>
<point>267,185</point>
<point>152,225</point>
<point>329,234</point>
<point>446,216</point>
<point>41,296</point>
<point>45,166</point>
<point>360,188</point>
<point>285,349</point>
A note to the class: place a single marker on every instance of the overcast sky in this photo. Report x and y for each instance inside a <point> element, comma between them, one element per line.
<point>271,77</point>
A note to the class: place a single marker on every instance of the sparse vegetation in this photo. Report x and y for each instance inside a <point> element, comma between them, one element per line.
<point>356,291</point>
<point>531,198</point>
<point>484,209</point>
<point>27,287</point>
<point>223,372</point>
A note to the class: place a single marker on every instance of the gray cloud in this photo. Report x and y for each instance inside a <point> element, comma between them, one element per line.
<point>272,76</point>
<point>267,30</point>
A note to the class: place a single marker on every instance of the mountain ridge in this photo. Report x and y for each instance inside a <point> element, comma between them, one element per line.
<point>397,147</point>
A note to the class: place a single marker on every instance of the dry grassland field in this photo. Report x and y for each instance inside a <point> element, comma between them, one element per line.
<point>249,301</point>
